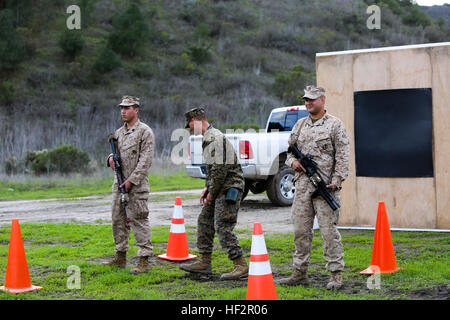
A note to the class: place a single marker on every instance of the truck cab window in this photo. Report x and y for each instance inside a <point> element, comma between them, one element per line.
<point>285,120</point>
<point>291,119</point>
<point>277,121</point>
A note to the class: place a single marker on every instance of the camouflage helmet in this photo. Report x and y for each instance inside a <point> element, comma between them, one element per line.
<point>313,92</point>
<point>192,114</point>
<point>129,101</point>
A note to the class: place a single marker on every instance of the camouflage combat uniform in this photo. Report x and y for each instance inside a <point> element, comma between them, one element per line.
<point>223,171</point>
<point>136,148</point>
<point>327,142</point>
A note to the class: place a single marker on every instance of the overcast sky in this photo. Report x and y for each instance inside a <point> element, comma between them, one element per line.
<point>431,2</point>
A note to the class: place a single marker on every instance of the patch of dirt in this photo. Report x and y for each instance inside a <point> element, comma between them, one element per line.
<point>439,292</point>
<point>97,209</point>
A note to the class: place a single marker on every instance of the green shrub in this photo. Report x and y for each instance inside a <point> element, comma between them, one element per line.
<point>203,30</point>
<point>71,42</point>
<point>163,38</point>
<point>193,12</point>
<point>144,69</point>
<point>199,54</point>
<point>182,65</point>
<point>11,166</point>
<point>107,61</point>
<point>63,159</point>
<point>274,37</point>
<point>37,161</point>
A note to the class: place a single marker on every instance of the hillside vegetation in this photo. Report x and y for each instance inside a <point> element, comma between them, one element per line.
<point>238,58</point>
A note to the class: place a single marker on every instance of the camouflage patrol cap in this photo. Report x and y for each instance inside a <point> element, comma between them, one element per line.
<point>313,92</point>
<point>129,101</point>
<point>192,114</point>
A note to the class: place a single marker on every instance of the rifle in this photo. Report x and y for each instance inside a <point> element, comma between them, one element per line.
<point>119,175</point>
<point>311,171</point>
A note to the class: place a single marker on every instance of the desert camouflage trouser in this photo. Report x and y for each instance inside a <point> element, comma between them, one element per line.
<point>304,208</point>
<point>220,217</point>
<point>138,214</point>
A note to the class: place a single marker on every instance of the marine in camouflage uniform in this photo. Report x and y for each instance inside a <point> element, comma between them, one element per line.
<point>326,140</point>
<point>223,171</point>
<point>136,149</point>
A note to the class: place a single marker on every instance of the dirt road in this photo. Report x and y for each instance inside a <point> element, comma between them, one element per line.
<point>97,209</point>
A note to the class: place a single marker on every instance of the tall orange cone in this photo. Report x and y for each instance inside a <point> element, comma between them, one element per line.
<point>383,255</point>
<point>260,284</point>
<point>177,247</point>
<point>17,278</point>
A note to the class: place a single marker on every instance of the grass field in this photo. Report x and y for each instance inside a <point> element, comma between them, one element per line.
<point>52,248</point>
<point>80,186</point>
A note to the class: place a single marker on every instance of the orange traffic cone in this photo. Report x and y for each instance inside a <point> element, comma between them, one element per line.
<point>17,276</point>
<point>383,256</point>
<point>260,284</point>
<point>177,248</point>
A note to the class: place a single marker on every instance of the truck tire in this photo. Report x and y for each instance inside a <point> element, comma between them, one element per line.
<point>257,186</point>
<point>280,187</point>
<point>254,186</point>
<point>245,192</point>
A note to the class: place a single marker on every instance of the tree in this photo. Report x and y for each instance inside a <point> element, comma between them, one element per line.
<point>416,17</point>
<point>71,42</point>
<point>107,61</point>
<point>130,32</point>
<point>12,47</point>
<point>290,86</point>
<point>21,10</point>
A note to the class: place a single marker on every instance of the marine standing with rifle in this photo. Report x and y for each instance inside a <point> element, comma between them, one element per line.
<point>135,147</point>
<point>325,139</point>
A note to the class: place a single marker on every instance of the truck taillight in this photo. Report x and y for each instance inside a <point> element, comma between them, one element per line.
<point>189,150</point>
<point>245,150</point>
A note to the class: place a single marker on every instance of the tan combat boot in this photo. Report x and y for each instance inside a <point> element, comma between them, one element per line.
<point>203,265</point>
<point>298,277</point>
<point>119,260</point>
<point>240,270</point>
<point>335,281</point>
<point>141,267</point>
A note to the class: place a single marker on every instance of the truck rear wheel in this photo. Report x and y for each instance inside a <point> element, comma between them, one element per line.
<point>245,192</point>
<point>254,186</point>
<point>280,187</point>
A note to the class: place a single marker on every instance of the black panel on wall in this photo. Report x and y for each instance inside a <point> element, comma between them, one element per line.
<point>393,133</point>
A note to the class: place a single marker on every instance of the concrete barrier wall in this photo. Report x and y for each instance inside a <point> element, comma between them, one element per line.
<point>410,202</point>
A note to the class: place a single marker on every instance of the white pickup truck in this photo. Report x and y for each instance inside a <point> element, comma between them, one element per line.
<point>262,155</point>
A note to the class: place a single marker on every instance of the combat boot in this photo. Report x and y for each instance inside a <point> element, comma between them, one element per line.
<point>203,265</point>
<point>141,267</point>
<point>335,280</point>
<point>298,277</point>
<point>240,270</point>
<point>119,260</point>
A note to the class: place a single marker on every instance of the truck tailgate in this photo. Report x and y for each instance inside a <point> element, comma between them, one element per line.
<point>196,151</point>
